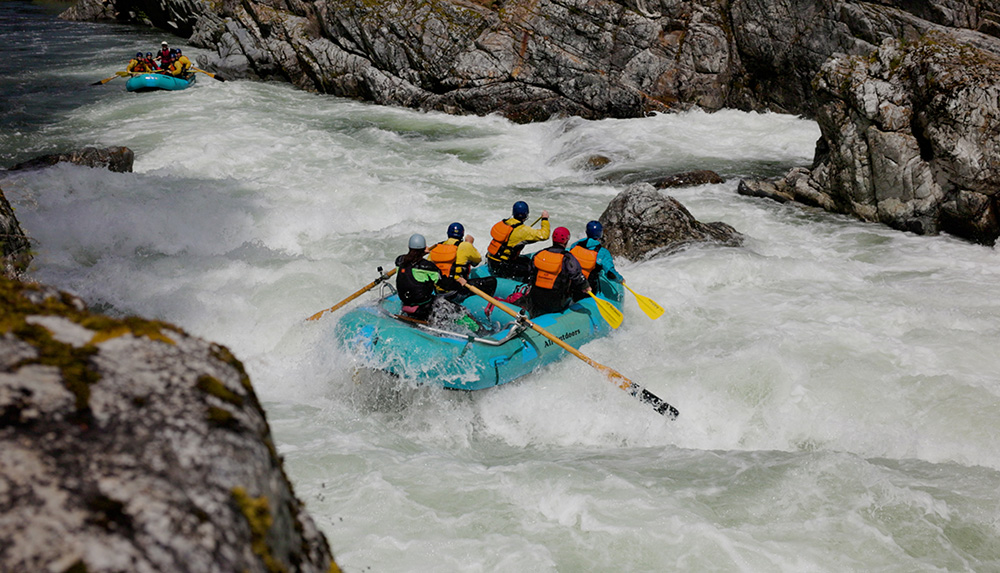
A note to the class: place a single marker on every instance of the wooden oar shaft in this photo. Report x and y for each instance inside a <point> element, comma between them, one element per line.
<point>616,377</point>
<point>363,290</point>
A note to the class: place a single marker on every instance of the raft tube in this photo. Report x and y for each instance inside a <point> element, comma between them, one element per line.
<point>152,82</point>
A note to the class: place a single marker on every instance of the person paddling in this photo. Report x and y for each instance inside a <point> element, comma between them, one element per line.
<point>594,258</point>
<point>416,284</point>
<point>455,257</point>
<point>181,65</point>
<point>557,276</point>
<point>508,239</point>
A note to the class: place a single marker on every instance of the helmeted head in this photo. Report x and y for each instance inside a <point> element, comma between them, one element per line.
<point>163,44</point>
<point>149,54</point>
<point>456,231</point>
<point>520,211</point>
<point>138,54</point>
<point>417,241</point>
<point>560,236</point>
<point>178,51</point>
<point>595,230</point>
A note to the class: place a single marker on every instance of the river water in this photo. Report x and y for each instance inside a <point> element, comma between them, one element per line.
<point>837,380</point>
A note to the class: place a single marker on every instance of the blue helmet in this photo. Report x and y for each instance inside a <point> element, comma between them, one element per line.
<point>595,229</point>
<point>149,54</point>
<point>138,54</point>
<point>520,210</point>
<point>456,231</point>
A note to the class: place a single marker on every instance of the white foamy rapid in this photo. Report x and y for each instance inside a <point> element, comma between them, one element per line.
<point>837,380</point>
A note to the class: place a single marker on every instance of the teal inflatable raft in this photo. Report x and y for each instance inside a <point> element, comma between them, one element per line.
<point>505,350</point>
<point>152,81</point>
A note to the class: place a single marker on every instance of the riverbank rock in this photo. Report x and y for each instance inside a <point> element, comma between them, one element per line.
<point>641,223</point>
<point>117,159</point>
<point>15,254</point>
<point>128,445</point>
<point>910,138</point>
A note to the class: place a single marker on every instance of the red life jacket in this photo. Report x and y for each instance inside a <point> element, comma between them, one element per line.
<point>499,249</point>
<point>549,265</point>
<point>587,258</point>
<point>444,256</point>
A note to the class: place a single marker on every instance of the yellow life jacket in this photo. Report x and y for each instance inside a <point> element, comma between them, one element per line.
<point>587,258</point>
<point>444,256</point>
<point>499,249</point>
<point>549,266</point>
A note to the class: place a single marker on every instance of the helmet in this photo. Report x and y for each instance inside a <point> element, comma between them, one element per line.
<point>560,236</point>
<point>149,54</point>
<point>595,229</point>
<point>418,242</point>
<point>178,51</point>
<point>163,43</point>
<point>520,210</point>
<point>138,54</point>
<point>456,231</point>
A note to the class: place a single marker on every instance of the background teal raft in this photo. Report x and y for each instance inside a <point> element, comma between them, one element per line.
<point>152,82</point>
<point>460,359</point>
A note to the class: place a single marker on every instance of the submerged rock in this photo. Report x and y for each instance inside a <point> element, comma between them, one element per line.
<point>128,445</point>
<point>641,223</point>
<point>117,159</point>
<point>688,179</point>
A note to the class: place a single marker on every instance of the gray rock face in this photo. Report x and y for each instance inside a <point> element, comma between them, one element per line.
<point>14,246</point>
<point>127,445</point>
<point>641,223</point>
<point>910,139</point>
<point>902,89</point>
<point>117,159</point>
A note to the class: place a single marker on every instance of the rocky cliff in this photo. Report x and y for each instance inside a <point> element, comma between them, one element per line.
<point>901,143</point>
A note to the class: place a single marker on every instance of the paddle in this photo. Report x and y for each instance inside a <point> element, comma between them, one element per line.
<point>364,289</point>
<point>106,80</point>
<point>608,311</point>
<point>614,376</point>
<point>211,75</point>
<point>648,305</point>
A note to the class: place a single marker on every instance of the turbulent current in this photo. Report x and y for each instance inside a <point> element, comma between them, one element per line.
<point>837,380</point>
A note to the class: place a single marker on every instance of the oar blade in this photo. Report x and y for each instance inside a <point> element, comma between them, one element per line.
<point>608,311</point>
<point>649,306</point>
<point>652,309</point>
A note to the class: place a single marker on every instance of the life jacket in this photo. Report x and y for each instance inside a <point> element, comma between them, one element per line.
<point>499,249</point>
<point>444,256</point>
<point>549,265</point>
<point>587,258</point>
<point>415,283</point>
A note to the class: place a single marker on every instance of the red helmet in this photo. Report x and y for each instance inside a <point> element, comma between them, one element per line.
<point>560,235</point>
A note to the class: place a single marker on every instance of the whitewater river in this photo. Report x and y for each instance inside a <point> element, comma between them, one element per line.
<point>837,380</point>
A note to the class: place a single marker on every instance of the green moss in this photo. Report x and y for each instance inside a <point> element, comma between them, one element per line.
<point>73,363</point>
<point>214,387</point>
<point>258,516</point>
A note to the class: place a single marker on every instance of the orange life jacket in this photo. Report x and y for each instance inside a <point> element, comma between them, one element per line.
<point>444,257</point>
<point>499,249</point>
<point>587,258</point>
<point>549,266</point>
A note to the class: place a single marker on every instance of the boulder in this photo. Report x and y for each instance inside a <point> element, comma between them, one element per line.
<point>128,445</point>
<point>641,223</point>
<point>117,159</point>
